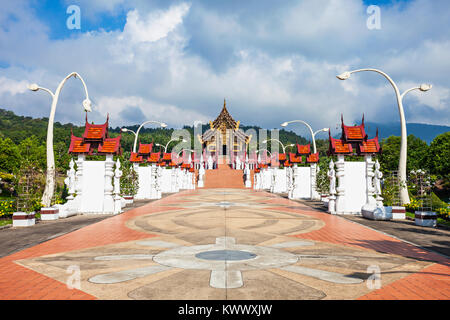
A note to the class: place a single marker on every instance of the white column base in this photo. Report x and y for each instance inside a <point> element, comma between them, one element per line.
<point>23,219</point>
<point>48,214</point>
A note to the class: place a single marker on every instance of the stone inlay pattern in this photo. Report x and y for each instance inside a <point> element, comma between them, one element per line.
<point>285,251</point>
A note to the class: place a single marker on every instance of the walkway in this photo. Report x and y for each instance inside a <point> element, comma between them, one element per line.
<point>224,244</point>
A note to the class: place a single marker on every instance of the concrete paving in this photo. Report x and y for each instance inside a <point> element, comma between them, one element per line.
<point>225,244</point>
<point>14,239</point>
<point>433,239</point>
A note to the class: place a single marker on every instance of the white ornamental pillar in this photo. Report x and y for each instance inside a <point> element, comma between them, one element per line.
<point>117,197</point>
<point>378,175</point>
<point>314,194</point>
<point>273,181</point>
<point>201,174</point>
<point>71,180</point>
<point>295,183</point>
<point>248,183</point>
<point>340,174</point>
<point>108,201</point>
<point>79,181</point>
<point>332,198</point>
<point>370,200</point>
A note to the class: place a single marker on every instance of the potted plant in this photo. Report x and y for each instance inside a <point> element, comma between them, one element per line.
<point>129,182</point>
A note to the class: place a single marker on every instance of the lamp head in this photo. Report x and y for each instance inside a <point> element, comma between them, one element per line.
<point>163,125</point>
<point>33,87</point>
<point>284,124</point>
<point>183,140</point>
<point>265,141</point>
<point>87,105</point>
<point>344,76</point>
<point>326,129</point>
<point>124,130</point>
<point>425,87</point>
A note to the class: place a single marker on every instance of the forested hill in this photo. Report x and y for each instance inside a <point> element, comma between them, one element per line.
<point>18,128</point>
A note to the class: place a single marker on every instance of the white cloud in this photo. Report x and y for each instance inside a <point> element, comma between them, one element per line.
<point>177,63</point>
<point>12,87</point>
<point>156,25</point>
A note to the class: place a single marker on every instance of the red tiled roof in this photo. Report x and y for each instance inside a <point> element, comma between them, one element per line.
<point>110,145</point>
<point>282,157</point>
<point>370,146</point>
<point>355,133</point>
<point>287,164</point>
<point>167,156</point>
<point>313,158</point>
<point>294,158</point>
<point>77,145</point>
<point>337,146</point>
<point>154,157</point>
<point>135,157</point>
<point>145,149</point>
<point>95,131</point>
<point>306,149</point>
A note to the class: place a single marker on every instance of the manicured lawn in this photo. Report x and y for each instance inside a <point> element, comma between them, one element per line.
<point>4,222</point>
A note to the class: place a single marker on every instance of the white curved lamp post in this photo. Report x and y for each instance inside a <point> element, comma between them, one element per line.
<point>165,147</point>
<point>313,134</point>
<point>264,150</point>
<point>136,134</point>
<point>404,196</point>
<point>50,179</point>
<point>282,145</point>
<point>128,130</point>
<point>185,150</point>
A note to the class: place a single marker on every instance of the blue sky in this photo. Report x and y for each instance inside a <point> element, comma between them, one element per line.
<point>274,61</point>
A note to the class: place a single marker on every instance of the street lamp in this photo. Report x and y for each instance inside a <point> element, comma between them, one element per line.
<point>282,145</point>
<point>136,134</point>
<point>165,147</point>
<point>50,179</point>
<point>404,196</point>
<point>264,150</point>
<point>185,150</point>
<point>128,130</point>
<point>313,134</point>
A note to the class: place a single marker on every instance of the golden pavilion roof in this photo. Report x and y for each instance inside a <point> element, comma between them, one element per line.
<point>224,120</point>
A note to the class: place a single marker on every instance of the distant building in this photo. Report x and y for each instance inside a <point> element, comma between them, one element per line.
<point>224,136</point>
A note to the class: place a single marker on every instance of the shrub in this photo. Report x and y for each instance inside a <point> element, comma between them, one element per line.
<point>7,207</point>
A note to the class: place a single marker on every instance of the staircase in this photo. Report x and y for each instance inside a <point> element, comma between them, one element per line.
<point>224,176</point>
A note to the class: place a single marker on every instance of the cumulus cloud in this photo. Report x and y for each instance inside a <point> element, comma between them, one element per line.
<point>175,62</point>
<point>155,26</point>
<point>12,87</point>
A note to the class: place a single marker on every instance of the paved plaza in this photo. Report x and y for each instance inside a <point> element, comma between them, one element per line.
<point>225,244</point>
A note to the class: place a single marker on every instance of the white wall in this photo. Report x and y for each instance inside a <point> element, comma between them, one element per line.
<point>166,180</point>
<point>144,183</point>
<point>93,186</point>
<point>355,186</point>
<point>304,174</point>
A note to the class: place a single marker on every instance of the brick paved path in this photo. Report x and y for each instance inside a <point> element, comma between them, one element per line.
<point>325,256</point>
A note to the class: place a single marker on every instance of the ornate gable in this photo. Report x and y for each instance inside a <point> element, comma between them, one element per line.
<point>224,120</point>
